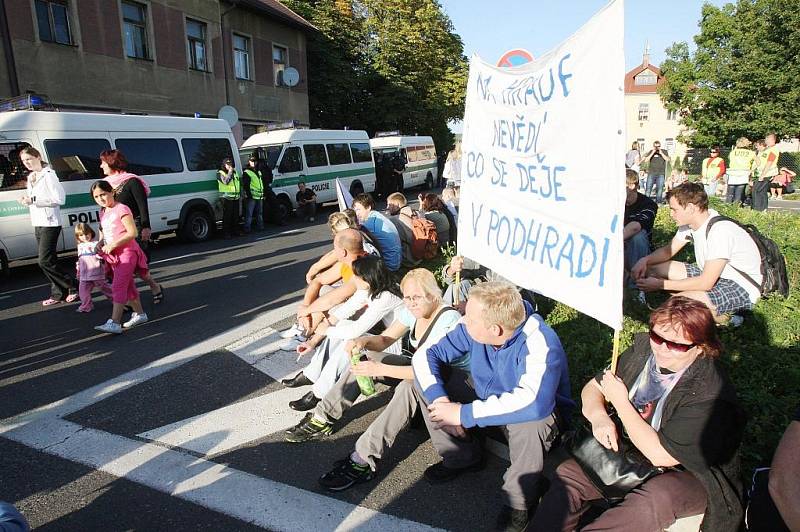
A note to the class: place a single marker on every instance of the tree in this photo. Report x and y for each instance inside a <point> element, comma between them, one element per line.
<point>743,78</point>
<point>384,65</point>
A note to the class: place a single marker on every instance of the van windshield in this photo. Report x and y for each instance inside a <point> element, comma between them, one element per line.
<point>269,153</point>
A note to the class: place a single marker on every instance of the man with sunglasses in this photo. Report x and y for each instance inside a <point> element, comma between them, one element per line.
<point>725,255</point>
<point>713,169</point>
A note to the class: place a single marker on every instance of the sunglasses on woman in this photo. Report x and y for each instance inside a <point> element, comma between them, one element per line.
<point>672,346</point>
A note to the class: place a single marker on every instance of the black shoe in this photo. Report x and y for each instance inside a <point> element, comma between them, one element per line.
<point>308,429</point>
<point>307,402</point>
<point>440,473</point>
<point>511,520</point>
<point>345,474</point>
<point>297,381</point>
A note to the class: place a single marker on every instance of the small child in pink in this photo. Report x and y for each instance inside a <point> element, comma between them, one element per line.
<point>91,268</point>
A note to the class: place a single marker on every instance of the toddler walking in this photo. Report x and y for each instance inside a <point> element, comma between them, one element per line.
<point>91,268</point>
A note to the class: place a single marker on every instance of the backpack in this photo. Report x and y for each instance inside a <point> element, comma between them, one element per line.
<point>773,264</point>
<point>425,241</point>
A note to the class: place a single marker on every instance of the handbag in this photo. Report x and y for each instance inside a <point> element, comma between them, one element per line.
<point>613,473</point>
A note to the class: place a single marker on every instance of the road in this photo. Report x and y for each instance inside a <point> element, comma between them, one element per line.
<point>177,424</point>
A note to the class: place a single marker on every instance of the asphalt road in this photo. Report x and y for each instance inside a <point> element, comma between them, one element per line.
<point>94,432</point>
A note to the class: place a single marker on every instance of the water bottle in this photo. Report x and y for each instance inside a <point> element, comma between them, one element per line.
<point>365,383</point>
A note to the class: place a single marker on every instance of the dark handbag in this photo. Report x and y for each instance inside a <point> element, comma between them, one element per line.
<point>613,473</point>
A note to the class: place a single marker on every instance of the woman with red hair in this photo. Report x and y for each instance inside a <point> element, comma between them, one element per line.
<point>678,408</point>
<point>132,191</point>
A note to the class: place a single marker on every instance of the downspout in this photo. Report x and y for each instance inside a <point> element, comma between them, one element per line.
<point>8,51</point>
<point>224,51</point>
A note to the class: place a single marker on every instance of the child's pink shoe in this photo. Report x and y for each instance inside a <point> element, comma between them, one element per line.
<point>83,309</point>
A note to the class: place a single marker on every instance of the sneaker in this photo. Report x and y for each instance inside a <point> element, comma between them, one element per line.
<point>736,320</point>
<point>440,473</point>
<point>291,344</point>
<point>110,327</point>
<point>641,298</point>
<point>345,474</point>
<point>308,429</point>
<point>136,319</point>
<point>294,330</point>
<point>511,520</point>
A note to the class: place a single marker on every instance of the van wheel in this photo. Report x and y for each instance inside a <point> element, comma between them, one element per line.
<point>356,189</point>
<point>284,208</point>
<point>429,181</point>
<point>197,227</point>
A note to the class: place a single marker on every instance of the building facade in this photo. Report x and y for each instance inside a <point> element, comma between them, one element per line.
<point>647,120</point>
<point>178,57</point>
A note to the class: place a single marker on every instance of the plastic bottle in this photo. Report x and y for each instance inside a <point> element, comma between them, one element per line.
<point>365,383</point>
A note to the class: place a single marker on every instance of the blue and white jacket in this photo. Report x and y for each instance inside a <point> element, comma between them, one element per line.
<point>522,380</point>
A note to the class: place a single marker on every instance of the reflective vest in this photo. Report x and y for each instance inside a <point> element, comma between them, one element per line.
<point>231,190</point>
<point>741,159</point>
<point>713,168</point>
<point>256,184</point>
<point>764,157</point>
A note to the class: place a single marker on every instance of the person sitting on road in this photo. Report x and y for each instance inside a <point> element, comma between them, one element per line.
<point>450,197</point>
<point>378,295</point>
<point>401,215</point>
<point>383,230</point>
<point>722,258</point>
<point>640,215</point>
<point>472,273</point>
<point>679,409</point>
<point>306,202</point>
<point>518,380</point>
<point>423,321</point>
<point>434,209</point>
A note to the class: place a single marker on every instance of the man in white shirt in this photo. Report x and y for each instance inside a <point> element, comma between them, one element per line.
<point>721,259</point>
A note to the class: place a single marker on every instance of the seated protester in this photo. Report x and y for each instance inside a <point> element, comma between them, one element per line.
<point>423,319</point>
<point>518,380</point>
<point>401,215</point>
<point>432,207</point>
<point>11,520</point>
<point>378,294</point>
<point>717,278</point>
<point>640,215</point>
<point>306,202</point>
<point>471,274</point>
<point>381,229</point>
<point>347,246</point>
<point>679,409</point>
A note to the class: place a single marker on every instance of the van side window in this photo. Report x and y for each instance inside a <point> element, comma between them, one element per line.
<point>361,152</point>
<point>13,173</point>
<point>413,154</point>
<point>339,153</point>
<point>76,159</point>
<point>315,155</point>
<point>291,161</point>
<point>151,156</point>
<point>206,154</point>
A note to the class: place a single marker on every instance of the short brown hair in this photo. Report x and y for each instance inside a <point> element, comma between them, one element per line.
<point>631,177</point>
<point>687,193</point>
<point>694,319</point>
<point>30,150</point>
<point>365,200</point>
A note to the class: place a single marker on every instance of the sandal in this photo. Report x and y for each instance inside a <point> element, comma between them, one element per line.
<point>159,297</point>
<point>71,298</point>
<point>50,301</point>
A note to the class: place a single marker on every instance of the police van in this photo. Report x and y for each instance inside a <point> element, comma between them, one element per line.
<point>315,156</point>
<point>417,154</point>
<point>178,157</point>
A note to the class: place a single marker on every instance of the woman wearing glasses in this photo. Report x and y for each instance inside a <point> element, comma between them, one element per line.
<point>679,409</point>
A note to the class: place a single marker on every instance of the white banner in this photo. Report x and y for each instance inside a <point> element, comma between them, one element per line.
<point>543,171</point>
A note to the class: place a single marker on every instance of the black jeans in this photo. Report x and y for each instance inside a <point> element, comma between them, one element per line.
<point>230,216</point>
<point>761,195</point>
<point>61,283</point>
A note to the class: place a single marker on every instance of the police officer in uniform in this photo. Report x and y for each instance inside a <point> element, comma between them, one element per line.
<point>229,185</point>
<point>253,191</point>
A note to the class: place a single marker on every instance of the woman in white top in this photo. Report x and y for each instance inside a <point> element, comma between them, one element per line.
<point>44,197</point>
<point>379,296</point>
<point>452,168</point>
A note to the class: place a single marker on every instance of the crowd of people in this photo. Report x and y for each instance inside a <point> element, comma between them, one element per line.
<point>478,355</point>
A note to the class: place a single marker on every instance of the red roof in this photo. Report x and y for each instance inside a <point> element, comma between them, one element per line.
<point>281,12</point>
<point>632,88</point>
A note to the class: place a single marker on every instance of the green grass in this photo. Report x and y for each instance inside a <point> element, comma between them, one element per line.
<point>762,355</point>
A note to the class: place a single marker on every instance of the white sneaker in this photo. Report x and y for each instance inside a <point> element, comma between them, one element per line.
<point>736,320</point>
<point>110,327</point>
<point>136,319</point>
<point>291,344</point>
<point>294,330</point>
<point>641,298</point>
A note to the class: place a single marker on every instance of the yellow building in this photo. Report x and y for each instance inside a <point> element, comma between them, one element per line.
<point>646,118</point>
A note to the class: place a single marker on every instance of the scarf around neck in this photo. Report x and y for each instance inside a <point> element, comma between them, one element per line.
<point>119,179</point>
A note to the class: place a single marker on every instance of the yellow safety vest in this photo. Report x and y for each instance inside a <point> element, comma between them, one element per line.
<point>256,184</point>
<point>231,190</point>
<point>762,162</point>
<point>741,159</point>
<point>711,167</point>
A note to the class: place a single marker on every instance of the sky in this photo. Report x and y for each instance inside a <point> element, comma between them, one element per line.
<point>492,27</point>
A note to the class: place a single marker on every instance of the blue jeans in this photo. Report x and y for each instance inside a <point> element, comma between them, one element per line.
<point>735,194</point>
<point>253,207</point>
<point>658,181</point>
<point>636,247</point>
<point>711,189</point>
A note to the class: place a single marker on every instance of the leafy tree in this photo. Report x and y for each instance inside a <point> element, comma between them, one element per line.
<point>384,65</point>
<point>743,78</point>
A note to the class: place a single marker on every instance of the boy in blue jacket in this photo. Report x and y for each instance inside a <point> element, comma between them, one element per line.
<point>518,380</point>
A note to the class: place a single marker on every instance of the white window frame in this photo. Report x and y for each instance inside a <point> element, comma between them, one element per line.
<point>278,67</point>
<point>246,53</point>
<point>191,42</point>
<point>645,78</point>
<point>672,114</point>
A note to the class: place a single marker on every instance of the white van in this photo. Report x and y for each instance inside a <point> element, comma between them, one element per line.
<point>178,157</point>
<point>316,157</point>
<point>418,154</point>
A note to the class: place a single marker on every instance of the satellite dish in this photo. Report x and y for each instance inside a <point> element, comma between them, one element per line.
<point>229,114</point>
<point>291,76</point>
